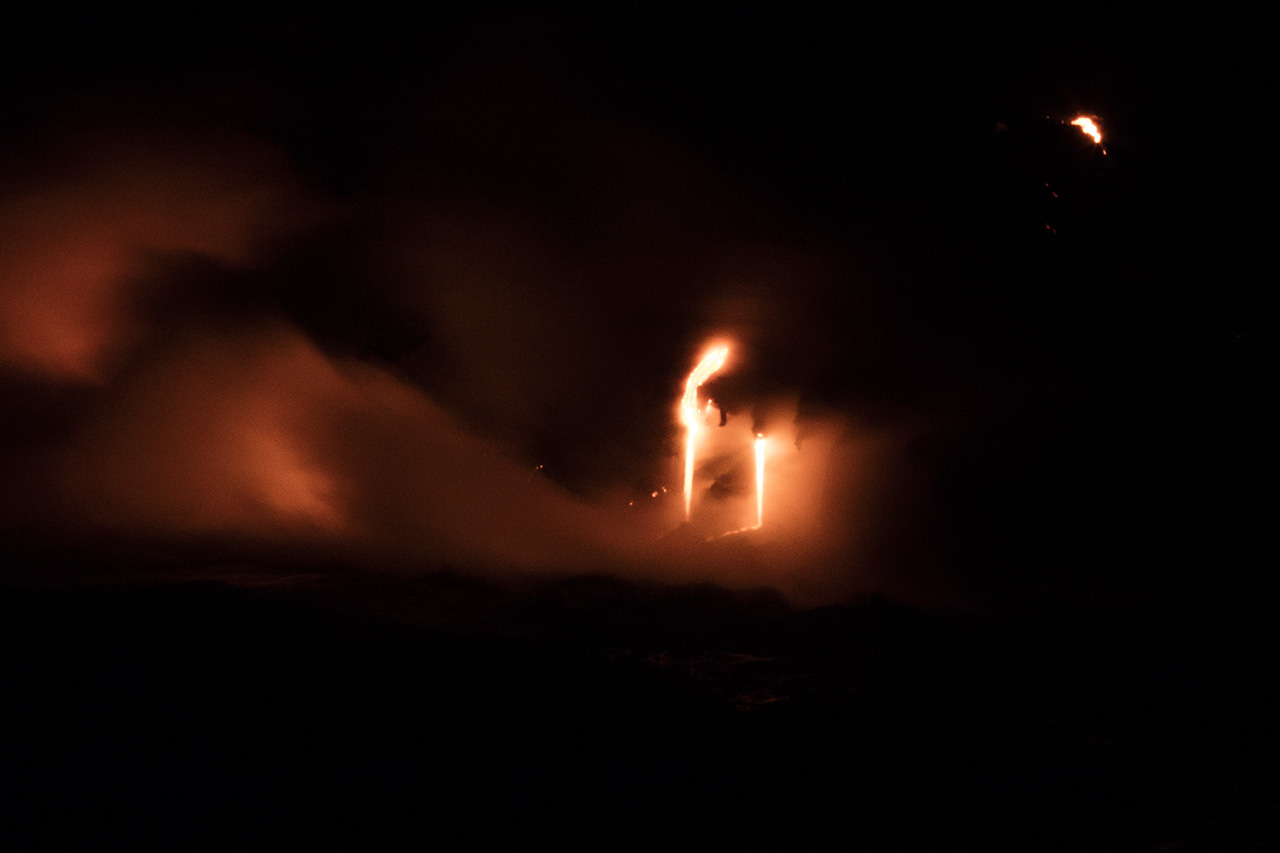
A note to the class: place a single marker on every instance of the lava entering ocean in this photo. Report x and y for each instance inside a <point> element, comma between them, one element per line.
<point>691,416</point>
<point>710,363</point>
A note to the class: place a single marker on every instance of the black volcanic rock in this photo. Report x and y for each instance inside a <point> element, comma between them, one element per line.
<point>614,713</point>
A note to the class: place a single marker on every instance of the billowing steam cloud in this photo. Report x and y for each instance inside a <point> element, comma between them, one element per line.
<point>195,346</point>
<point>75,243</point>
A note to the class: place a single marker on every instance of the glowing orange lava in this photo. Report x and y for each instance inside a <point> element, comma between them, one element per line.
<point>759,480</point>
<point>1087,125</point>
<point>711,362</point>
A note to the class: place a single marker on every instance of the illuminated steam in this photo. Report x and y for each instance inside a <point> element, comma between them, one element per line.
<point>194,344</point>
<point>760,442</point>
<point>74,247</point>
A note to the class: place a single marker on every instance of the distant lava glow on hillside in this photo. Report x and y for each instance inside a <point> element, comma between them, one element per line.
<point>1089,127</point>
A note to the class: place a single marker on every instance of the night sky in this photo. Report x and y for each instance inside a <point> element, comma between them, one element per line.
<point>372,327</point>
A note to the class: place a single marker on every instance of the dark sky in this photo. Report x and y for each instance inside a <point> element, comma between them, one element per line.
<point>297,282</point>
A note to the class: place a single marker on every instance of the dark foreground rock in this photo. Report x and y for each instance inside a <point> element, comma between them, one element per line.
<point>594,713</point>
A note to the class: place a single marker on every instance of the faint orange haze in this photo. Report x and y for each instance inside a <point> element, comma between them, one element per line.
<point>263,436</point>
<point>254,429</point>
<point>72,247</point>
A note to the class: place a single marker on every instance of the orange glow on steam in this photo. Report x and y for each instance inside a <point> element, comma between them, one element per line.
<point>760,440</point>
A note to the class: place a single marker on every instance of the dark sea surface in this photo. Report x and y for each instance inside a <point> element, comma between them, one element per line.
<point>591,712</point>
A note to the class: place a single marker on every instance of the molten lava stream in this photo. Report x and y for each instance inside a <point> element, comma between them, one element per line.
<point>1089,127</point>
<point>711,362</point>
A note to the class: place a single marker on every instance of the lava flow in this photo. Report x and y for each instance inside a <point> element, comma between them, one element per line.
<point>1089,127</point>
<point>711,362</point>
